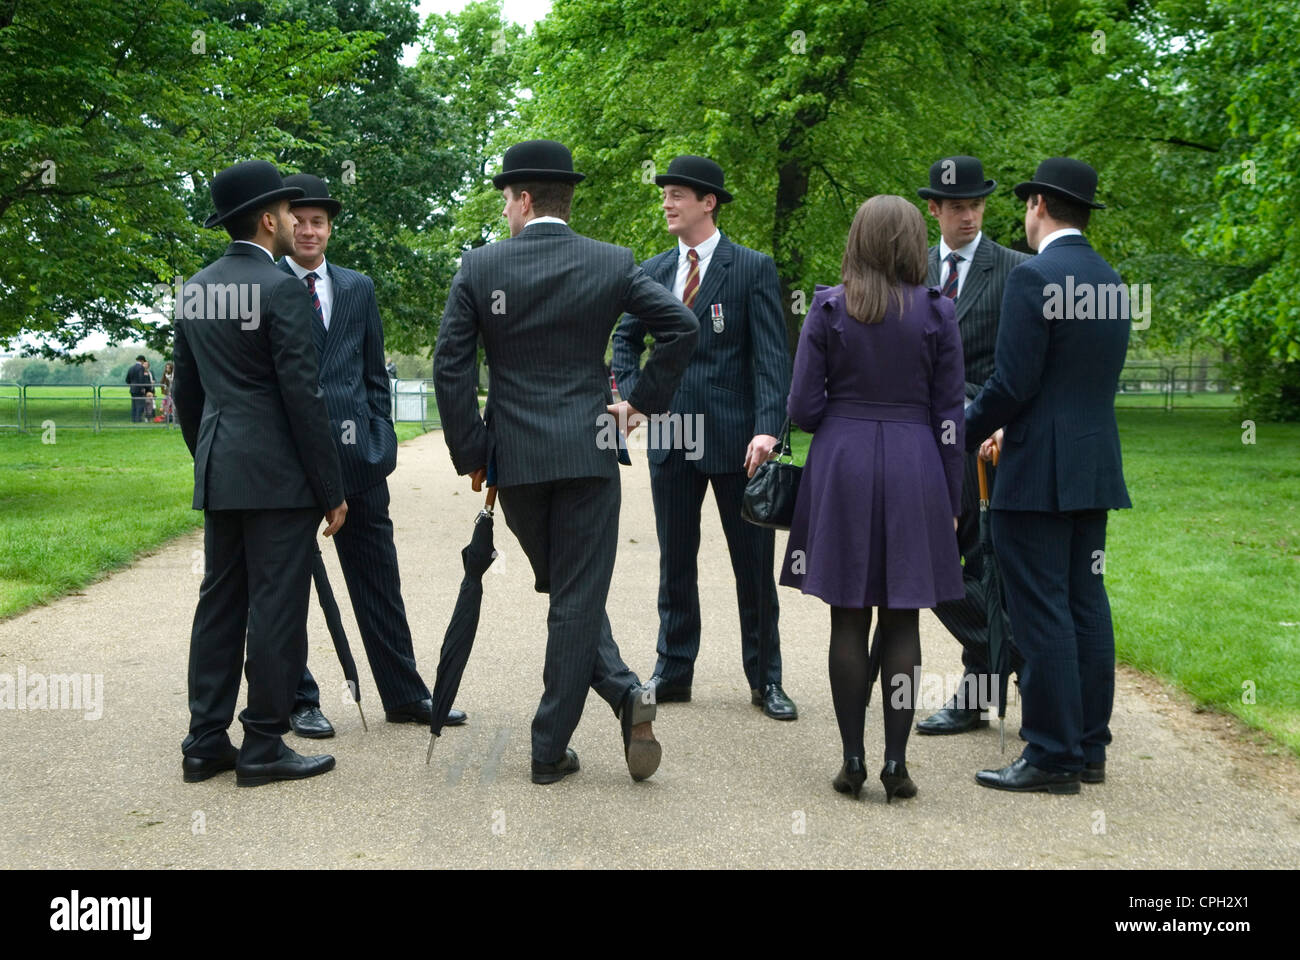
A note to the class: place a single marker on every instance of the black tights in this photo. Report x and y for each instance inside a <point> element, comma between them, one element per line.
<point>897,648</point>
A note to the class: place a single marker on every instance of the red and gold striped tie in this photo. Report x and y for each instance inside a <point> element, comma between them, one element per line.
<point>692,278</point>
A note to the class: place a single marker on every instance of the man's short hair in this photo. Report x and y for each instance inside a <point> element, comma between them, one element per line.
<point>1067,211</point>
<point>551,198</point>
<point>244,226</point>
<point>140,358</point>
<point>717,204</point>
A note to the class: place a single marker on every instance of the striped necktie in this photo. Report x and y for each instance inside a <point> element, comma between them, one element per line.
<point>311,279</point>
<point>950,285</point>
<point>692,278</point>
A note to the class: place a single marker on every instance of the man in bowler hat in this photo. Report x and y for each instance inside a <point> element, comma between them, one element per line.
<point>1051,399</point>
<point>349,338</point>
<point>546,300</point>
<point>735,389</point>
<point>248,399</point>
<point>972,270</point>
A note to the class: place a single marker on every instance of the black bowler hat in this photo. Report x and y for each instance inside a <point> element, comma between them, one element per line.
<point>957,178</point>
<point>537,160</point>
<point>699,172</point>
<point>1071,178</point>
<point>316,194</point>
<point>246,186</point>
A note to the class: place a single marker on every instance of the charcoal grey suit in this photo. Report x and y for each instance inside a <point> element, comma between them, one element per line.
<point>544,303</point>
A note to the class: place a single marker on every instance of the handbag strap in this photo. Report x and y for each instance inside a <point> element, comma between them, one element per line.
<point>785,450</point>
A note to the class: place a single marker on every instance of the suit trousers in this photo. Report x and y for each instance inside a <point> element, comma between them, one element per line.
<point>569,531</point>
<point>256,585</point>
<point>368,557</point>
<point>678,491</point>
<point>1052,569</point>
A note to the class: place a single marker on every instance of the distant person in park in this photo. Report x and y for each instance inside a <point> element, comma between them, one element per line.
<point>150,407</point>
<point>391,369</point>
<point>878,381</point>
<point>349,338</point>
<point>1051,401</point>
<point>546,300</point>
<point>165,385</point>
<point>734,390</point>
<point>971,270</point>
<point>139,379</point>
<point>266,469</point>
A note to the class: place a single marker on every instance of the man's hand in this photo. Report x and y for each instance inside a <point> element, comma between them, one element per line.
<point>628,416</point>
<point>954,524</point>
<point>759,452</point>
<point>476,479</point>
<point>986,448</point>
<point>334,518</point>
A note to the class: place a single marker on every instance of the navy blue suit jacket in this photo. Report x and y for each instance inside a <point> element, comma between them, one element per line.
<point>738,379</point>
<point>1053,386</point>
<point>354,381</point>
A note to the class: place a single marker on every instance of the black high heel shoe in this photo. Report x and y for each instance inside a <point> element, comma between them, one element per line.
<point>851,777</point>
<point>897,782</point>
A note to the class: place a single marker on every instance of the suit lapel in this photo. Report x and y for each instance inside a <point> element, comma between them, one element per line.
<point>666,270</point>
<point>719,263</point>
<point>932,267</point>
<point>977,279</point>
<point>317,328</point>
<point>342,290</point>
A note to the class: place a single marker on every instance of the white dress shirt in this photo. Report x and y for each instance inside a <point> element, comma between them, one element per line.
<point>324,286</point>
<point>705,250</point>
<point>545,220</point>
<point>967,253</point>
<point>1056,235</point>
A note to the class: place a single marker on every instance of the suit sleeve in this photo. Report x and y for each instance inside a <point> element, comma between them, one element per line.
<point>770,350</point>
<point>297,371</point>
<point>629,345</point>
<point>187,390</point>
<point>454,378</point>
<point>947,397</point>
<point>375,374</point>
<point>675,331</point>
<point>807,403</point>
<point>1019,357</point>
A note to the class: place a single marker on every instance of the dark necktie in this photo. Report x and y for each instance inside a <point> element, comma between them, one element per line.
<point>950,285</point>
<point>692,278</point>
<point>311,279</point>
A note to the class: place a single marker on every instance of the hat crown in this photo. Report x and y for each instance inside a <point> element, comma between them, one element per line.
<point>698,172</point>
<point>957,178</point>
<point>1064,175</point>
<point>235,185</point>
<point>536,160</point>
<point>314,187</point>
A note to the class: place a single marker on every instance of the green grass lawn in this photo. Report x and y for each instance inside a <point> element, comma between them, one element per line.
<point>1204,572</point>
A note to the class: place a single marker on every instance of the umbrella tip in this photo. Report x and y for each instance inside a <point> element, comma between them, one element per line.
<point>364,725</point>
<point>433,738</point>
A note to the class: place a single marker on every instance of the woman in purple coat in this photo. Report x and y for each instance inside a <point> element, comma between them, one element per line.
<point>879,382</point>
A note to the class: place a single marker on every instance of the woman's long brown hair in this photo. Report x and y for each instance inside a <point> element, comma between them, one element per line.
<point>886,250</point>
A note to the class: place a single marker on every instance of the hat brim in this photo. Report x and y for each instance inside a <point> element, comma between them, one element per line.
<point>328,204</point>
<point>1030,187</point>
<point>664,179</point>
<point>532,173</point>
<point>929,193</point>
<point>284,192</point>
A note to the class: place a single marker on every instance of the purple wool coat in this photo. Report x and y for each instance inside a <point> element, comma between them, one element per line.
<point>873,520</point>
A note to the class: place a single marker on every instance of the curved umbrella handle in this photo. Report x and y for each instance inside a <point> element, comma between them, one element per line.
<point>491,499</point>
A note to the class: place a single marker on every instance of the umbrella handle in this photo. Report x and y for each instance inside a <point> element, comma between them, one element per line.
<point>983,473</point>
<point>491,499</point>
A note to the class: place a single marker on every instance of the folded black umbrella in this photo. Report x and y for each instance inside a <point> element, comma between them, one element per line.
<point>989,588</point>
<point>330,607</point>
<point>457,642</point>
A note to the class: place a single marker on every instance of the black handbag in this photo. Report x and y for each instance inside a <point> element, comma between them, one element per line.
<point>771,492</point>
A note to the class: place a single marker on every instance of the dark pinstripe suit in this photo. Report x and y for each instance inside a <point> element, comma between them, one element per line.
<point>248,400</point>
<point>1053,389</point>
<point>978,308</point>
<point>355,385</point>
<point>738,382</point>
<point>544,303</point>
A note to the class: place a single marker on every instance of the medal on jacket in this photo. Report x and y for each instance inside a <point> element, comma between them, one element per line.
<point>718,324</point>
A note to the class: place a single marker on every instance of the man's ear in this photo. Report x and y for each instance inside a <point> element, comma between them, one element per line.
<point>934,207</point>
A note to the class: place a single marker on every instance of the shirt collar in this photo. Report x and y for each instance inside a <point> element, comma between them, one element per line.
<point>544,220</point>
<point>966,253</point>
<point>705,249</point>
<point>259,246</point>
<point>301,271</point>
<point>1057,235</point>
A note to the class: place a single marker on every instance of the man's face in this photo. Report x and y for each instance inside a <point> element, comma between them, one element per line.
<point>960,221</point>
<point>516,209</point>
<point>283,221</point>
<point>1034,221</point>
<point>684,213</point>
<point>311,234</point>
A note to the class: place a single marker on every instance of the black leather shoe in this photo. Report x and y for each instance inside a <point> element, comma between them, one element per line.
<point>1093,773</point>
<point>851,777</point>
<point>293,766</point>
<point>951,719</point>
<point>309,722</point>
<point>642,751</point>
<point>896,781</point>
<point>774,702</point>
<point>421,711</point>
<point>551,772</point>
<point>670,693</point>
<point>197,769</point>
<point>1023,777</point>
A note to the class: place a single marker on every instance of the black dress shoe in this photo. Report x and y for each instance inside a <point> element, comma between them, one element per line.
<point>670,693</point>
<point>309,722</point>
<point>1023,777</point>
<point>551,772</point>
<point>774,702</point>
<point>951,719</point>
<point>896,781</point>
<point>293,766</point>
<point>643,752</point>
<point>851,777</point>
<point>421,711</point>
<point>197,769</point>
<point>1093,772</point>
